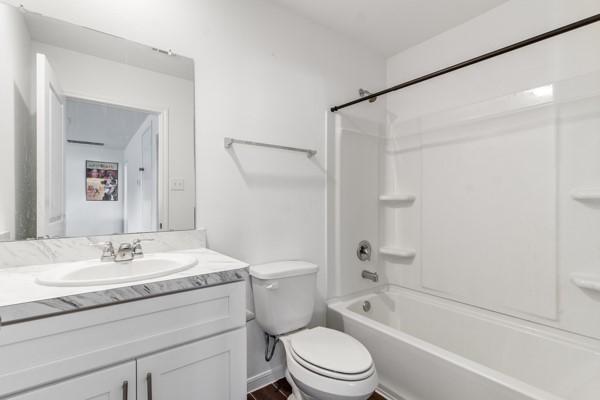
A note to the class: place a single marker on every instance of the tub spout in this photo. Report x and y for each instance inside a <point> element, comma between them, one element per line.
<point>370,275</point>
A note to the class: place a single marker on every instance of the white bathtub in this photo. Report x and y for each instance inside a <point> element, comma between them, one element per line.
<point>426,348</point>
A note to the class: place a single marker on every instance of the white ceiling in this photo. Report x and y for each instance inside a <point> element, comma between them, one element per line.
<point>390,26</point>
<point>102,123</point>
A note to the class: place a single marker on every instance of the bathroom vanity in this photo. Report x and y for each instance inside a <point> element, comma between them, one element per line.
<point>103,155</point>
<point>178,336</point>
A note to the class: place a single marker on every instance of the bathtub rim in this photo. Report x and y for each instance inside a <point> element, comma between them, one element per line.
<point>341,306</point>
<point>518,323</point>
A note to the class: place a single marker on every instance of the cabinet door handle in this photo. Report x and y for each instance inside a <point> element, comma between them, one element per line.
<point>149,385</point>
<point>125,390</point>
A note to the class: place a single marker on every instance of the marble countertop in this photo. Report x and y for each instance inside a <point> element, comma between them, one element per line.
<point>22,299</point>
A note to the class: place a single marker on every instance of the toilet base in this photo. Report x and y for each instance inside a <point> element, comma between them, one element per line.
<point>296,395</point>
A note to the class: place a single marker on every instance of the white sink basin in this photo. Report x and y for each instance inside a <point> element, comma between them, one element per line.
<point>94,272</point>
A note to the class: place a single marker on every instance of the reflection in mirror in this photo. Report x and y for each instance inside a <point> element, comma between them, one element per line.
<point>97,132</point>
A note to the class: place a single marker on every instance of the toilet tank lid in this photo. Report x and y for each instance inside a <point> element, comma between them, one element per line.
<point>282,269</point>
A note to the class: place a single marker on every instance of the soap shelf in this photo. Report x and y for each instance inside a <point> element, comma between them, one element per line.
<point>398,252</point>
<point>586,194</point>
<point>398,198</point>
<point>586,282</point>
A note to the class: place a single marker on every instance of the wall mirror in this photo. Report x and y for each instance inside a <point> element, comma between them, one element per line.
<point>96,132</point>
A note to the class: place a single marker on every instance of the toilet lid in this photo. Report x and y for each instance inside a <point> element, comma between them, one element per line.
<point>332,350</point>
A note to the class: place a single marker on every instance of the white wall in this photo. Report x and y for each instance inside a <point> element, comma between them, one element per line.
<point>85,218</point>
<point>86,76</point>
<point>493,163</point>
<point>17,204</point>
<point>263,74</point>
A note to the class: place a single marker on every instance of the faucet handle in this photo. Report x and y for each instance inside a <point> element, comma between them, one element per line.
<point>137,247</point>
<point>108,250</point>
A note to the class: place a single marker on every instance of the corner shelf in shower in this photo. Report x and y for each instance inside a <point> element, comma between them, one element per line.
<point>398,252</point>
<point>586,282</point>
<point>398,198</point>
<point>586,194</point>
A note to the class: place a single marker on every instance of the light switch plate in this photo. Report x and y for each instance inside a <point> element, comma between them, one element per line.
<point>177,184</point>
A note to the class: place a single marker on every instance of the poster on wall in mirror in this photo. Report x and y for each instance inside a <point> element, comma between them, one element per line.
<point>101,181</point>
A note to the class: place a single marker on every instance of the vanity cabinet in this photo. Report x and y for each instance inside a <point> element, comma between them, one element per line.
<point>107,384</point>
<point>207,369</point>
<point>184,346</point>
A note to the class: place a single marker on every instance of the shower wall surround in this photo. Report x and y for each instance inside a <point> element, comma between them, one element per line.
<point>356,136</point>
<point>483,185</point>
<point>493,154</point>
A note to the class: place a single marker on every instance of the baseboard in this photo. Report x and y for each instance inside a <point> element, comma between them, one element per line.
<point>388,394</point>
<point>265,378</point>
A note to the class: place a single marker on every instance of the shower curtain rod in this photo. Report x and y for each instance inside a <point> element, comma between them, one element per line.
<point>486,56</point>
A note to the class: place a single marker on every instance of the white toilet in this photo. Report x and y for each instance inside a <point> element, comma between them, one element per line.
<point>322,364</point>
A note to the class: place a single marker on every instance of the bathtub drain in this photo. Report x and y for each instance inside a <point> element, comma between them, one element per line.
<point>366,306</point>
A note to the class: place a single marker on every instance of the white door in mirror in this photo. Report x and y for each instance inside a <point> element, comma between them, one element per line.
<point>50,151</point>
<point>94,272</point>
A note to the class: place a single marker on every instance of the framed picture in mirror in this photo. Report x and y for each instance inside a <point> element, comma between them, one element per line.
<point>101,181</point>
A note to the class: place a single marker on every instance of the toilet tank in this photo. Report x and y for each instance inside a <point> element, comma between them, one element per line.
<point>284,295</point>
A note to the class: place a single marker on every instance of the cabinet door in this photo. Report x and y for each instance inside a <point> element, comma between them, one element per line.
<point>115,383</point>
<point>211,369</point>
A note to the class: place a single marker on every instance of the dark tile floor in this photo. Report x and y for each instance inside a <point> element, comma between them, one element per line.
<point>280,390</point>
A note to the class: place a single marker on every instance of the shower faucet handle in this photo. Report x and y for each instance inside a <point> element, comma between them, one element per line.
<point>363,252</point>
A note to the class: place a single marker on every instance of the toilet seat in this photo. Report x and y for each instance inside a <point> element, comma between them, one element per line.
<point>332,354</point>
<point>333,374</point>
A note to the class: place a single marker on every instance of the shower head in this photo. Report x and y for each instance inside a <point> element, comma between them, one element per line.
<point>363,92</point>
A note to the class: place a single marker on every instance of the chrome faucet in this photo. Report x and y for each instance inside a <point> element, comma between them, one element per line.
<point>372,276</point>
<point>125,253</point>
